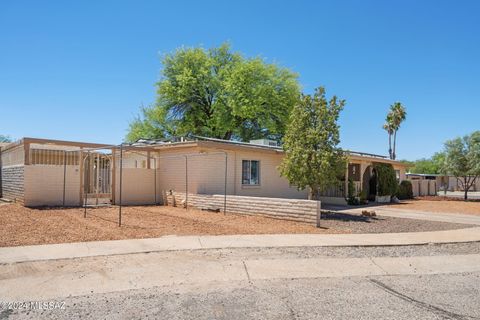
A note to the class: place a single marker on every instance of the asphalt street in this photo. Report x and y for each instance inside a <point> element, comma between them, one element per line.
<point>417,295</point>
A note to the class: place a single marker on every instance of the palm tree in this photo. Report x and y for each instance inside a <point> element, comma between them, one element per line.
<point>393,121</point>
<point>388,126</point>
<point>399,115</point>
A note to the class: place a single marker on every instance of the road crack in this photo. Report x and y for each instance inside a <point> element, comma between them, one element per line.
<point>421,304</point>
<point>246,271</point>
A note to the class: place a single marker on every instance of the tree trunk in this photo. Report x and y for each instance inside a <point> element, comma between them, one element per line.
<point>466,186</point>
<point>394,145</point>
<point>312,194</point>
<point>390,145</point>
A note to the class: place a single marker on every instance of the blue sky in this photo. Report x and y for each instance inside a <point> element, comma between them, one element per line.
<point>80,70</point>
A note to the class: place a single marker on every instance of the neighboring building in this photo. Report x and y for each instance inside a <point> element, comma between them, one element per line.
<point>51,172</point>
<point>443,182</point>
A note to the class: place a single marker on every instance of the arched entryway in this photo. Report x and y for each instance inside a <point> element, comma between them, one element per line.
<point>369,182</point>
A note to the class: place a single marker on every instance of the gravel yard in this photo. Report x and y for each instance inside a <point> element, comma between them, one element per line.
<point>444,206</point>
<point>27,226</point>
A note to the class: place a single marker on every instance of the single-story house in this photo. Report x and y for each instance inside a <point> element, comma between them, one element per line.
<point>40,172</point>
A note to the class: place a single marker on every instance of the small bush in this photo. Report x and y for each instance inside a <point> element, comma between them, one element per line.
<point>352,197</point>
<point>363,197</point>
<point>405,190</point>
<point>387,179</point>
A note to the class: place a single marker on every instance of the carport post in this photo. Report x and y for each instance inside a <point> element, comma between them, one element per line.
<point>186,182</point>
<point>319,213</point>
<point>155,178</point>
<point>64,173</point>
<point>225,186</point>
<point>120,182</point>
<point>84,184</point>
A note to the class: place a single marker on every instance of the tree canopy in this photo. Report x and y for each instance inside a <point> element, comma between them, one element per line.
<point>218,93</point>
<point>462,159</point>
<point>394,119</point>
<point>5,138</point>
<point>431,165</point>
<point>312,157</point>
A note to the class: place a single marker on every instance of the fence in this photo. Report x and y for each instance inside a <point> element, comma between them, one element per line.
<point>424,187</point>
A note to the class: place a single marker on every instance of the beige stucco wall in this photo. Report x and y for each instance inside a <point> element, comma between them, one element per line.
<point>44,185</point>
<point>137,186</point>
<point>206,173</point>
<point>272,184</point>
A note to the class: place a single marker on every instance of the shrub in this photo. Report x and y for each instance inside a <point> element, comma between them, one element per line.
<point>405,190</point>
<point>363,197</point>
<point>387,180</point>
<point>352,197</point>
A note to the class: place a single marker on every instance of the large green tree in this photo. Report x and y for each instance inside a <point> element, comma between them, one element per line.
<point>462,160</point>
<point>312,157</point>
<point>218,93</point>
<point>393,121</point>
<point>431,165</point>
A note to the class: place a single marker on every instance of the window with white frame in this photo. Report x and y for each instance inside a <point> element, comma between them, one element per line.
<point>250,172</point>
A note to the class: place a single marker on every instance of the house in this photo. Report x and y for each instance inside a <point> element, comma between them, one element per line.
<point>40,172</point>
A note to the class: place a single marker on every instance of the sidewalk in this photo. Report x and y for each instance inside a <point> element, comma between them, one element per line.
<point>10,255</point>
<point>58,279</point>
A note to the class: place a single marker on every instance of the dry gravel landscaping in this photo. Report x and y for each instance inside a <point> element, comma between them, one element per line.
<point>444,206</point>
<point>27,226</point>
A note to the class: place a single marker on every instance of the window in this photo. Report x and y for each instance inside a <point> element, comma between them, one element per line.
<point>250,172</point>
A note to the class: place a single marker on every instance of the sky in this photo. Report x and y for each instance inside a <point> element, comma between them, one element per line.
<point>80,70</point>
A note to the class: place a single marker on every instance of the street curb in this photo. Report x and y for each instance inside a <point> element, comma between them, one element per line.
<point>10,255</point>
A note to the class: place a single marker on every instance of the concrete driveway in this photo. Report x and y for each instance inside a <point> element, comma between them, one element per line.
<point>388,211</point>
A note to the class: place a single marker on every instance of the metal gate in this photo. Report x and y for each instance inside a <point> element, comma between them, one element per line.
<point>97,186</point>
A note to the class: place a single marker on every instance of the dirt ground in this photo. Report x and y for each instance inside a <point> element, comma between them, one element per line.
<point>27,226</point>
<point>444,206</point>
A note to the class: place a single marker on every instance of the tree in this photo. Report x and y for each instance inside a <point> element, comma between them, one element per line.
<point>462,160</point>
<point>431,165</point>
<point>312,159</point>
<point>218,93</point>
<point>5,138</point>
<point>394,119</point>
<point>388,126</point>
<point>153,124</point>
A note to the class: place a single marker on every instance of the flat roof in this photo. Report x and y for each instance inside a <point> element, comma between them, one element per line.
<point>157,144</point>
